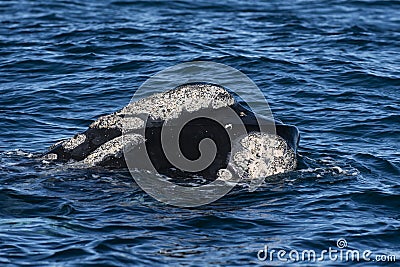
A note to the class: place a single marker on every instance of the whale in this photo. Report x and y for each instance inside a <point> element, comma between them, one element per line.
<point>141,124</point>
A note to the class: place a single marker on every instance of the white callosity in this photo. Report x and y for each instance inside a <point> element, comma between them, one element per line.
<point>262,155</point>
<point>224,174</point>
<point>114,121</point>
<point>113,148</point>
<point>74,141</point>
<point>132,123</point>
<point>166,106</point>
<point>170,104</point>
<point>110,121</point>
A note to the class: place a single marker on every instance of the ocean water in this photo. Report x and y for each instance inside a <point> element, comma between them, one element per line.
<point>329,67</point>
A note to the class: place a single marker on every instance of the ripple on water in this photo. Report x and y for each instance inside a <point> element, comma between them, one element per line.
<point>331,68</point>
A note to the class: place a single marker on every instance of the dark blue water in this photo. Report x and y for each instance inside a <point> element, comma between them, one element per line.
<point>329,67</point>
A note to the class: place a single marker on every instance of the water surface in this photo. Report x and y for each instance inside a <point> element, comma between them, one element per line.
<point>329,67</point>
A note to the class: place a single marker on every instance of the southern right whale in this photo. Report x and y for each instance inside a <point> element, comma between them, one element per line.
<point>256,153</point>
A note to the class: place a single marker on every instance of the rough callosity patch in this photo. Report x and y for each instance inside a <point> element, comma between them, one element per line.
<point>110,121</point>
<point>167,105</point>
<point>262,155</point>
<point>132,123</point>
<point>113,148</point>
<point>170,104</point>
<point>114,121</point>
<point>224,174</point>
<point>74,141</point>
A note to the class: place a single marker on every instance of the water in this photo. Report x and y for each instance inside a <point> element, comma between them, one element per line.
<point>329,67</point>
